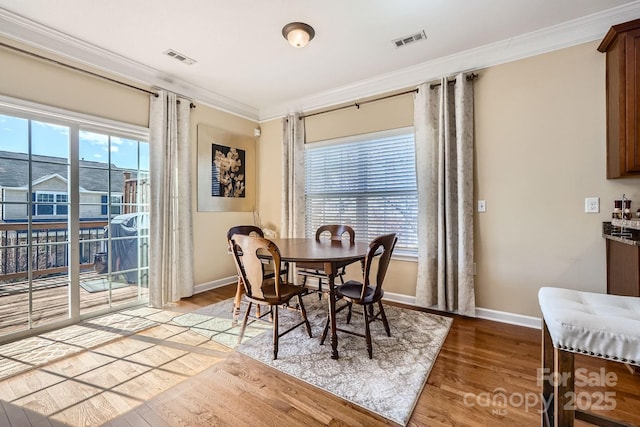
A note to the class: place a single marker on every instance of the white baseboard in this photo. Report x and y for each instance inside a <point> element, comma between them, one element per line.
<point>506,317</point>
<point>481,313</point>
<point>214,284</point>
<point>401,298</point>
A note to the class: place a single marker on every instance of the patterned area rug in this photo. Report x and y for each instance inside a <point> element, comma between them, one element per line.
<point>388,385</point>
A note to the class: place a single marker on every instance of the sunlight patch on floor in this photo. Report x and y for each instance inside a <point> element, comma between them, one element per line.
<point>89,373</point>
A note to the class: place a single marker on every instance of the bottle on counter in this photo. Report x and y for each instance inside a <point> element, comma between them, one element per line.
<point>617,209</point>
<point>626,210</point>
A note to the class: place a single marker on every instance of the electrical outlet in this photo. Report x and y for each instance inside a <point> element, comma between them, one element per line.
<point>592,205</point>
<point>482,206</point>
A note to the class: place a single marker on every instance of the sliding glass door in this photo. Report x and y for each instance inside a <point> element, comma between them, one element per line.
<point>118,169</point>
<point>34,231</point>
<point>73,220</point>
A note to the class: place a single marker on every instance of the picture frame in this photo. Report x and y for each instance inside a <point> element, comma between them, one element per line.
<point>226,171</point>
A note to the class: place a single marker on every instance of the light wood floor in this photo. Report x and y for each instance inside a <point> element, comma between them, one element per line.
<point>50,301</point>
<point>177,380</point>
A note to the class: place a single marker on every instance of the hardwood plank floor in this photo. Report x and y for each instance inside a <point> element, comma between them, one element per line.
<point>50,300</point>
<point>159,379</point>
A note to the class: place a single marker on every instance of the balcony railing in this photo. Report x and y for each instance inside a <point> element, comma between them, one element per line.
<point>50,249</point>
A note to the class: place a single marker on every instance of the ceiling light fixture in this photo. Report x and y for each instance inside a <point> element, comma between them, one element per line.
<point>298,33</point>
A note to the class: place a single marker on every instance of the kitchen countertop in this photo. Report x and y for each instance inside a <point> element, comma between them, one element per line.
<point>627,223</point>
<point>622,231</point>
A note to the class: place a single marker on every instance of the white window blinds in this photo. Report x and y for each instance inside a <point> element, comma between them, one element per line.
<point>368,183</point>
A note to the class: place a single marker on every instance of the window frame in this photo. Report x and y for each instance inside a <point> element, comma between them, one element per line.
<point>407,254</point>
<point>109,206</point>
<point>54,204</point>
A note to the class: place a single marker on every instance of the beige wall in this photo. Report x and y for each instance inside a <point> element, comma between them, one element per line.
<point>35,80</point>
<point>376,116</point>
<point>540,150</point>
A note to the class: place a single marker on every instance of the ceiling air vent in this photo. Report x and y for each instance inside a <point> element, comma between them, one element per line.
<point>403,41</point>
<point>180,57</point>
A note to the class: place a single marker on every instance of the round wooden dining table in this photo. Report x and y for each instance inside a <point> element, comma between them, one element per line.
<point>333,255</point>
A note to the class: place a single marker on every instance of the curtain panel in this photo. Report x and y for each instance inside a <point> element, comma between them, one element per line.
<point>293,208</point>
<point>443,122</point>
<point>171,232</point>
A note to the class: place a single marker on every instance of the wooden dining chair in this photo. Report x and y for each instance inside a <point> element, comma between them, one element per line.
<point>248,230</point>
<point>369,292</point>
<point>260,290</point>
<point>335,233</point>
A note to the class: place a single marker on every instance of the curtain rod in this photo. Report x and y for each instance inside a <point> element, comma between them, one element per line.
<point>35,55</point>
<point>191,104</point>
<point>358,104</point>
<point>469,77</point>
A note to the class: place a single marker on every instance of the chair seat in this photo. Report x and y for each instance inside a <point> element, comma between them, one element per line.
<point>287,291</point>
<point>352,290</point>
<point>602,325</point>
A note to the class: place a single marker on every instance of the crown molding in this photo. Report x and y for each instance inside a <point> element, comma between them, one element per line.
<point>570,33</point>
<point>39,36</point>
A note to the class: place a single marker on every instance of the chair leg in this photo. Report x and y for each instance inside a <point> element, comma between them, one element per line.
<point>563,412</point>
<point>319,288</point>
<point>236,302</point>
<point>244,322</point>
<point>384,319</point>
<point>326,330</point>
<point>303,312</point>
<point>350,304</point>
<point>274,309</point>
<point>547,386</point>
<point>367,332</point>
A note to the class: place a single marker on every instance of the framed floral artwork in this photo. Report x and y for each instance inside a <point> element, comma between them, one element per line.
<point>226,171</point>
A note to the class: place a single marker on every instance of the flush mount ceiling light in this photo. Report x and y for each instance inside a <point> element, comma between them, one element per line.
<point>298,33</point>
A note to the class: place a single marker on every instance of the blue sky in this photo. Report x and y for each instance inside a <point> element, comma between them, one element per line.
<point>52,140</point>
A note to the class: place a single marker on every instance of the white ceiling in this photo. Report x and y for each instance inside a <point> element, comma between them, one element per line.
<point>245,66</point>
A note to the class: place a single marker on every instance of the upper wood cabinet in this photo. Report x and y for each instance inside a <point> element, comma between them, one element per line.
<point>622,47</point>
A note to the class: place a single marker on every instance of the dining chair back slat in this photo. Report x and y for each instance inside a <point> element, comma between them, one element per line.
<point>252,267</point>
<point>385,243</point>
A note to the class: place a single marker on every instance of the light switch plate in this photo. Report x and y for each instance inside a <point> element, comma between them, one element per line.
<point>591,205</point>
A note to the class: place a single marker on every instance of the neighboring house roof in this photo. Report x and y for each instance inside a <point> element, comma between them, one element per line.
<point>14,172</point>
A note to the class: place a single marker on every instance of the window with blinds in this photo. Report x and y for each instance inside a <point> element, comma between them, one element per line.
<point>367,182</point>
